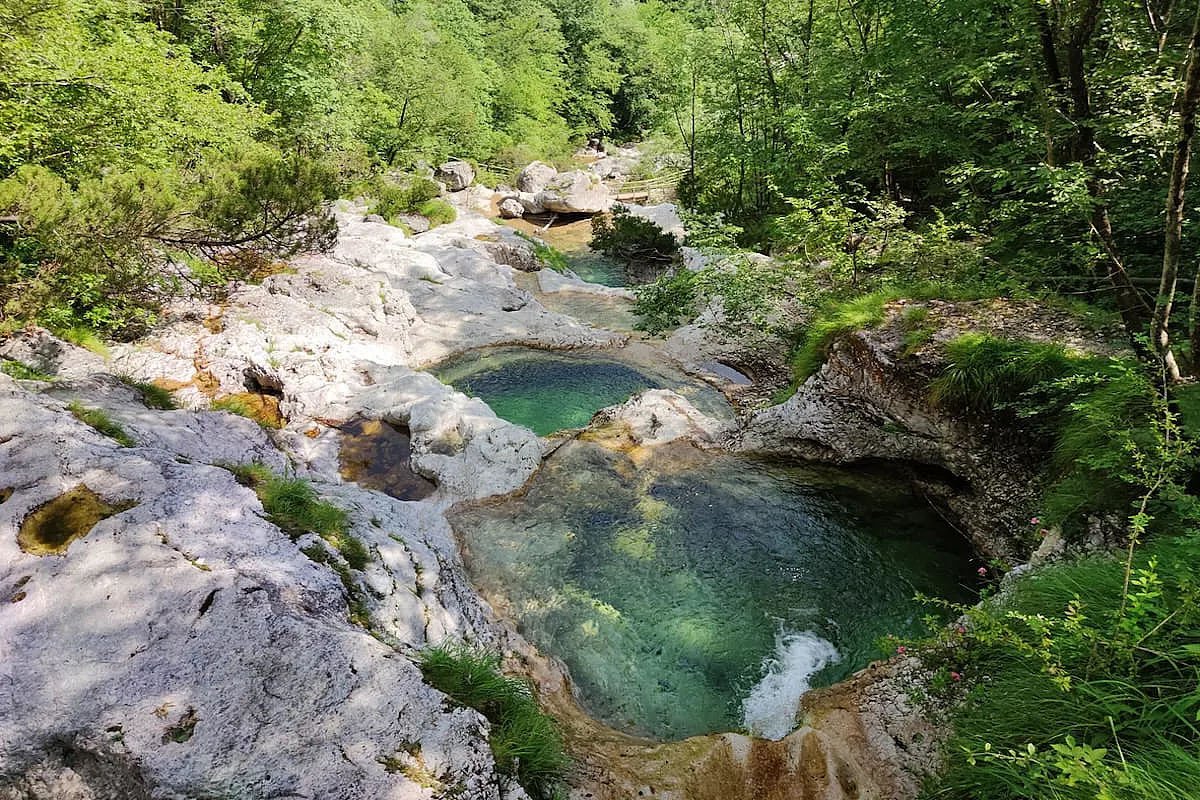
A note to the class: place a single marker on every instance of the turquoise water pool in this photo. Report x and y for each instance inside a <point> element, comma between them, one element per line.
<point>693,593</point>
<point>551,391</point>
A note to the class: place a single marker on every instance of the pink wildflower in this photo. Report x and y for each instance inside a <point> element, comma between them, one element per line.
<point>955,676</point>
<point>961,629</point>
<point>1035,521</point>
<point>901,649</point>
<point>983,570</point>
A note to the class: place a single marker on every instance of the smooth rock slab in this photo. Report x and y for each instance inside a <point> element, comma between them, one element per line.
<point>186,647</point>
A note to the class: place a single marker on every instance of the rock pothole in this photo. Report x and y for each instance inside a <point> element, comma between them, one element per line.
<point>378,455</point>
<point>50,528</point>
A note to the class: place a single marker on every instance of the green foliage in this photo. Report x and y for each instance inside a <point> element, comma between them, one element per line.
<point>99,420</point>
<point>548,256</point>
<point>1102,419</point>
<point>1082,686</point>
<point>525,742</point>
<point>23,372</point>
<point>833,320</point>
<point>985,372</point>
<point>665,303</point>
<point>438,212</point>
<point>632,239</point>
<point>152,396</point>
<point>391,197</point>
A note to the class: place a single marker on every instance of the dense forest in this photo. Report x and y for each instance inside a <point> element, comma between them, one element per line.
<point>875,148</point>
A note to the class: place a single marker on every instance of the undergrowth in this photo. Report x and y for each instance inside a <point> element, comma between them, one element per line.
<point>1096,417</point>
<point>1083,683</point>
<point>524,741</point>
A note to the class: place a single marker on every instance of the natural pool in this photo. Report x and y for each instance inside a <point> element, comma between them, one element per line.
<point>549,391</point>
<point>689,593</point>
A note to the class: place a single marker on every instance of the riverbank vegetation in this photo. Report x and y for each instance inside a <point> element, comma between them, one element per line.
<point>526,743</point>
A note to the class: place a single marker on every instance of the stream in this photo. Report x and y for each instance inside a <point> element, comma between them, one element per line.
<point>689,592</point>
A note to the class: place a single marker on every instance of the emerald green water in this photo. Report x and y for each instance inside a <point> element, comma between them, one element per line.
<point>551,391</point>
<point>691,593</point>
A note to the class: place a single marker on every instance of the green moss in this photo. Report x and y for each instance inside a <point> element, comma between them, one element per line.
<point>101,422</point>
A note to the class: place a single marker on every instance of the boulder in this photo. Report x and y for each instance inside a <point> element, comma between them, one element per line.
<point>457,175</point>
<point>576,192</point>
<point>531,203</point>
<point>535,177</point>
<point>415,222</point>
<point>511,208</point>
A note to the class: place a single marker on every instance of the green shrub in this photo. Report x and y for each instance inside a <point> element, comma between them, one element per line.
<point>667,302</point>
<point>101,422</point>
<point>632,239</point>
<point>1096,415</point>
<point>438,212</point>
<point>525,742</point>
<point>391,198</point>
<point>1081,688</point>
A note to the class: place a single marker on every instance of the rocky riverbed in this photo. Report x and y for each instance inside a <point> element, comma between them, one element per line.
<point>187,647</point>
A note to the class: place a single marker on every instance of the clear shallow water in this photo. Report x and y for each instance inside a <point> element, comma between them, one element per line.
<point>550,391</point>
<point>694,593</point>
<point>572,237</point>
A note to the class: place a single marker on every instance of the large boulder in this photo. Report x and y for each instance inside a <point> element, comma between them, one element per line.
<point>457,175</point>
<point>535,177</point>
<point>576,192</point>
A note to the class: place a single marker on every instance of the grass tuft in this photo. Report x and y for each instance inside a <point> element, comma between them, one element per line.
<point>292,503</point>
<point>23,372</point>
<point>84,337</point>
<point>152,396</point>
<point>99,420</point>
<point>984,372</point>
<point>525,741</point>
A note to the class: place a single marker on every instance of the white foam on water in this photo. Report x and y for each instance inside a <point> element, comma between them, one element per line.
<point>770,710</point>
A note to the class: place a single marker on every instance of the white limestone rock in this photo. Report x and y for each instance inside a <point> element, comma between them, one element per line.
<point>535,177</point>
<point>576,192</point>
<point>186,647</point>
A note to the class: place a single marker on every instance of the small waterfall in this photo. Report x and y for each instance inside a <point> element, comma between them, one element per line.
<point>770,710</point>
